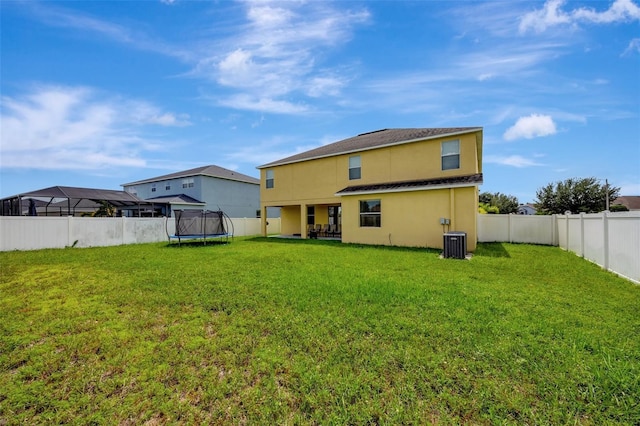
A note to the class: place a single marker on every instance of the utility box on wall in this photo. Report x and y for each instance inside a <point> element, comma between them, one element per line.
<point>455,245</point>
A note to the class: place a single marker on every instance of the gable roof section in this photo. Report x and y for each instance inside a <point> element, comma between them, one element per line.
<point>211,171</point>
<point>373,140</point>
<point>413,185</point>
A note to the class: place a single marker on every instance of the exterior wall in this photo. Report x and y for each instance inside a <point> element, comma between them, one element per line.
<point>143,190</point>
<point>290,217</point>
<point>236,199</point>
<point>413,218</point>
<point>316,181</point>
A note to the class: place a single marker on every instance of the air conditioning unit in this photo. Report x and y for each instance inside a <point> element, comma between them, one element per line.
<point>455,245</point>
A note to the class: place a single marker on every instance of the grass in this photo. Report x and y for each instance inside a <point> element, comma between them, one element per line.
<point>267,331</point>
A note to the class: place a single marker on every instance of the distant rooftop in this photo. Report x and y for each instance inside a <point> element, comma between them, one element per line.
<point>212,171</point>
<point>372,140</point>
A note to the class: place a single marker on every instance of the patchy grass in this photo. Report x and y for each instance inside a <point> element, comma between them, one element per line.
<point>267,331</point>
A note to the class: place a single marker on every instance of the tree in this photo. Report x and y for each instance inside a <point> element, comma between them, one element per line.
<point>504,203</point>
<point>576,195</point>
<point>105,209</point>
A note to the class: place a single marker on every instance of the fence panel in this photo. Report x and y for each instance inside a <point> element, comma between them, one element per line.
<point>593,238</point>
<point>624,246</point>
<point>516,229</point>
<point>493,228</point>
<point>33,233</point>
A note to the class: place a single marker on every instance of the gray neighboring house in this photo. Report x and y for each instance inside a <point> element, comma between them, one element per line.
<point>527,209</point>
<point>207,187</point>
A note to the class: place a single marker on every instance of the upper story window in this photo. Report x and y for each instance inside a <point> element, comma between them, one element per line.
<point>451,155</point>
<point>187,183</point>
<point>370,213</point>
<point>153,187</point>
<point>354,167</point>
<point>269,176</point>
<point>167,187</point>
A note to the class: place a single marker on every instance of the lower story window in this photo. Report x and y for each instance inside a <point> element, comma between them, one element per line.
<point>370,213</point>
<point>311,215</point>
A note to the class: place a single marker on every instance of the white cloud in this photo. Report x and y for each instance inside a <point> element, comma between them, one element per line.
<point>66,18</point>
<point>263,104</point>
<point>530,127</point>
<point>552,15</point>
<point>634,47</point>
<point>56,127</point>
<point>276,55</point>
<point>511,160</point>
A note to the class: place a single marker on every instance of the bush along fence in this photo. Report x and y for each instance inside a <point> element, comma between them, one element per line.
<point>33,233</point>
<point>611,240</point>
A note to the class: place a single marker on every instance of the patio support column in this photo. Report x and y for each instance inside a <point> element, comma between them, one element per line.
<point>263,220</point>
<point>303,221</point>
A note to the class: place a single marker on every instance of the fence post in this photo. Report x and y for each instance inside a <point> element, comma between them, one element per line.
<point>581,234</point>
<point>605,238</point>
<point>69,232</point>
<point>509,224</point>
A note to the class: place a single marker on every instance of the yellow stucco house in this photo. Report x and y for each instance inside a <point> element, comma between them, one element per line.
<point>402,187</point>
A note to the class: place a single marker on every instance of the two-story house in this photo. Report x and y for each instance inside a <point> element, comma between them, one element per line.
<point>207,188</point>
<point>402,187</point>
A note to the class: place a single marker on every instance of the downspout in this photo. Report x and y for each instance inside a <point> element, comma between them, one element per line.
<point>452,209</point>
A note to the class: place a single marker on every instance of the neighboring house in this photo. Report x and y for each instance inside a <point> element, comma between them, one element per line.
<point>527,209</point>
<point>207,187</point>
<point>403,187</point>
<point>632,202</point>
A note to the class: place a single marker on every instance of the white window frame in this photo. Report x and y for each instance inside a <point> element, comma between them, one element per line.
<point>375,215</point>
<point>269,179</point>
<point>450,155</point>
<point>355,167</point>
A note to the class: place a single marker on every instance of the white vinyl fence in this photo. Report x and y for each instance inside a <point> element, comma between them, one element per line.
<point>33,233</point>
<point>611,240</point>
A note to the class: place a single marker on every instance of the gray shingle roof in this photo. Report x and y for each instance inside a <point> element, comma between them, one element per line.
<point>474,179</point>
<point>115,197</point>
<point>372,140</point>
<point>213,171</point>
<point>175,199</point>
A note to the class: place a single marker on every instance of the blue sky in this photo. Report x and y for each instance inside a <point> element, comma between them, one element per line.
<point>97,94</point>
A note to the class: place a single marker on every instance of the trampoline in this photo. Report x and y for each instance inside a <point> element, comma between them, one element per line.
<point>202,225</point>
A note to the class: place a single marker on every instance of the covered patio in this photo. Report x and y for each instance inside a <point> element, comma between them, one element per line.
<point>321,221</point>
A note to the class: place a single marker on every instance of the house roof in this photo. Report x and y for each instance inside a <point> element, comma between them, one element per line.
<point>211,171</point>
<point>373,140</point>
<point>175,199</point>
<point>114,197</point>
<point>632,202</point>
<point>414,185</point>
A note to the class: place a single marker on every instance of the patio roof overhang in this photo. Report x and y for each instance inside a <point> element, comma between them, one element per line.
<point>413,185</point>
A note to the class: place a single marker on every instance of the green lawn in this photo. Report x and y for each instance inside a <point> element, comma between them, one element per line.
<point>269,331</point>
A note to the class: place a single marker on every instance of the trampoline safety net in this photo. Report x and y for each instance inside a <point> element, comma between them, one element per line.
<point>200,224</point>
